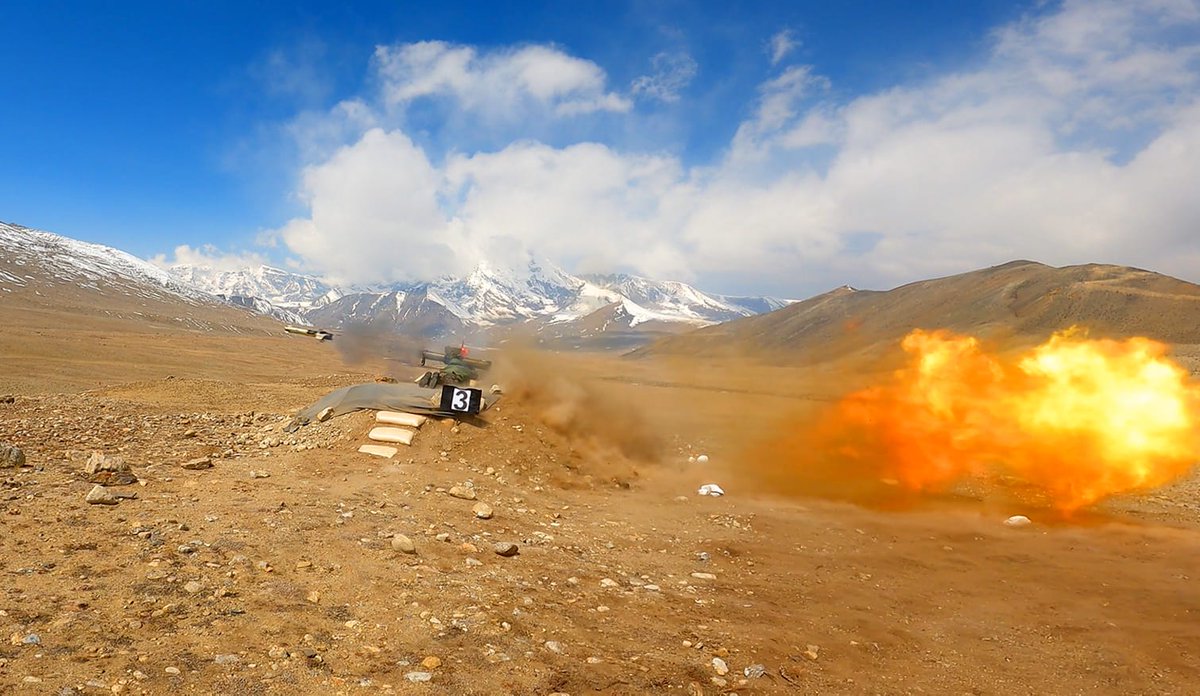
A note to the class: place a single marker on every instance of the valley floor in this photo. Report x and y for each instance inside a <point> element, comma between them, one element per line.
<point>627,581</point>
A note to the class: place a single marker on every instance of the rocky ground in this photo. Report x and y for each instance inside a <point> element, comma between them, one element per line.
<point>294,564</point>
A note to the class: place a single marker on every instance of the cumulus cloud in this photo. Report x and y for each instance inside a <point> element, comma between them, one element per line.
<point>374,215</point>
<point>505,81</point>
<point>671,73</point>
<point>1076,139</point>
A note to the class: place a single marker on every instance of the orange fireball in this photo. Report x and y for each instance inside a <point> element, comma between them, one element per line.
<point>1077,419</point>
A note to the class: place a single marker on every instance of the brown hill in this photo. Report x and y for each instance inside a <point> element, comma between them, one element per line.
<point>77,314</point>
<point>1022,299</point>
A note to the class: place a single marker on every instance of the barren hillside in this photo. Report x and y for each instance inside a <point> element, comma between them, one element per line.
<point>1022,299</point>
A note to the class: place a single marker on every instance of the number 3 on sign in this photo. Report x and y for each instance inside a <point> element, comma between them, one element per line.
<point>460,399</point>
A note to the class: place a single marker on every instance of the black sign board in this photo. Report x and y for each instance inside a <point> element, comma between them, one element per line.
<point>461,399</point>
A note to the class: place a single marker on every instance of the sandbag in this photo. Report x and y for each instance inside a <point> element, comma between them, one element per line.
<point>411,420</point>
<point>402,436</point>
<point>379,451</point>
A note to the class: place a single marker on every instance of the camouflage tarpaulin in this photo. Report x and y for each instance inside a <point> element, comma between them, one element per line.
<point>378,396</point>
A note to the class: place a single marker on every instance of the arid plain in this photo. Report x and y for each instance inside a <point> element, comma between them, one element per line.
<point>274,571</point>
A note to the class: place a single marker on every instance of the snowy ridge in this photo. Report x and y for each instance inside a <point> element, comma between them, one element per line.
<point>72,262</point>
<point>282,289</point>
<point>531,290</point>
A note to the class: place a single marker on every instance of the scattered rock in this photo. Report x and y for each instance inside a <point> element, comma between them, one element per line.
<point>99,462</point>
<point>704,576</point>
<point>720,666</point>
<point>403,544</point>
<point>325,414</point>
<point>172,670</point>
<point>505,548</point>
<point>99,495</point>
<point>32,639</point>
<point>259,474</point>
<point>483,511</point>
<point>462,492</point>
<point>226,659</point>
<point>754,671</point>
<point>11,456</point>
<point>554,646</point>
<point>473,562</point>
<point>192,587</point>
<point>197,464</point>
<point>702,459</point>
<point>811,652</point>
<point>7,399</point>
<point>431,663</point>
<point>418,676</point>
<point>1018,521</point>
<point>608,582</point>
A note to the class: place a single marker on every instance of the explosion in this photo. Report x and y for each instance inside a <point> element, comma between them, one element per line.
<point>1075,419</point>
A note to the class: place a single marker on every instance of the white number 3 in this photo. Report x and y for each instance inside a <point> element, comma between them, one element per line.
<point>461,400</point>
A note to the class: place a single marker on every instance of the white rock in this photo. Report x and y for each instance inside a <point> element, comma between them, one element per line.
<point>711,489</point>
<point>403,544</point>
<point>1018,521</point>
<point>702,459</point>
<point>720,666</point>
<point>99,495</point>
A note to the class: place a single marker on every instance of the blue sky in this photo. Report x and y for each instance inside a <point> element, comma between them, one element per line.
<point>732,144</point>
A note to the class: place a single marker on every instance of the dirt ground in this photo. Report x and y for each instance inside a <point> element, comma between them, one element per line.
<point>226,581</point>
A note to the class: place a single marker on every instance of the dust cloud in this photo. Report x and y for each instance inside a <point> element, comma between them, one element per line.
<point>377,346</point>
<point>609,432</point>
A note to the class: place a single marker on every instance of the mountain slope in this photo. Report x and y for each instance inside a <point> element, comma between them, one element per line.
<point>1022,298</point>
<point>48,280</point>
<point>31,258</point>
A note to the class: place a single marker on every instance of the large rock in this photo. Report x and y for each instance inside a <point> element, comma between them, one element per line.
<point>11,456</point>
<point>99,495</point>
<point>109,471</point>
<point>100,461</point>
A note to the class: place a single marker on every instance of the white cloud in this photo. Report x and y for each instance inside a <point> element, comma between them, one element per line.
<point>505,81</point>
<point>209,256</point>
<point>1077,139</point>
<point>672,73</point>
<point>780,45</point>
<point>374,215</point>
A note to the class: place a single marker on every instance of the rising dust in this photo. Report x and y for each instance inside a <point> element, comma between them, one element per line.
<point>612,435</point>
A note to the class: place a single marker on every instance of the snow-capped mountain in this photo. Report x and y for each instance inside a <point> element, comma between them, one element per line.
<point>537,294</point>
<point>531,294</point>
<point>279,287</point>
<point>281,294</point>
<point>670,300</point>
<point>28,255</point>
